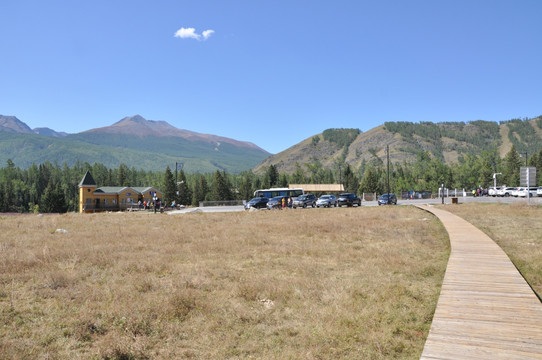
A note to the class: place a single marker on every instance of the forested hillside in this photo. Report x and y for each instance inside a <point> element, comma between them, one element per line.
<point>448,141</point>
<point>439,138</point>
<point>53,188</point>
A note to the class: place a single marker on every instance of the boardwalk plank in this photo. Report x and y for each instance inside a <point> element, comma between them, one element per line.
<point>486,309</point>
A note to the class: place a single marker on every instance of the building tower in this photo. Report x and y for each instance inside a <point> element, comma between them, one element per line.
<point>87,186</point>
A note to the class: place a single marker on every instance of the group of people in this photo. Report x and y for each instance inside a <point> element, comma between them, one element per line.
<point>286,202</point>
<point>147,205</point>
<point>479,192</point>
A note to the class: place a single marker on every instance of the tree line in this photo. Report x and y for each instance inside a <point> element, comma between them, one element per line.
<point>51,187</point>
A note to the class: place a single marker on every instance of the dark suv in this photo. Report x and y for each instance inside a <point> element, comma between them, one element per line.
<point>305,200</point>
<point>349,199</point>
<point>257,203</point>
<point>387,199</point>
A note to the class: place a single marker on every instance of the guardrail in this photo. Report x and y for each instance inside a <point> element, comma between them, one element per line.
<point>222,203</point>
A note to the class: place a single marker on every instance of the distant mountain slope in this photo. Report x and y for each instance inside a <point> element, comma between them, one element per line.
<point>48,132</point>
<point>139,127</point>
<point>446,141</point>
<point>13,125</point>
<point>134,141</point>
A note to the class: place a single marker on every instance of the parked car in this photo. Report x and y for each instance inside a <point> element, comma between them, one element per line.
<point>506,191</point>
<point>515,192</point>
<point>275,203</point>
<point>522,192</point>
<point>326,201</point>
<point>387,199</point>
<point>304,201</point>
<point>349,199</point>
<point>539,191</point>
<point>493,191</point>
<point>257,203</point>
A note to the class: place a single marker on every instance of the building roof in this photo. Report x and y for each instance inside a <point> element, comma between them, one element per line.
<point>319,187</point>
<point>87,180</point>
<point>115,190</point>
<point>143,190</point>
<point>124,189</point>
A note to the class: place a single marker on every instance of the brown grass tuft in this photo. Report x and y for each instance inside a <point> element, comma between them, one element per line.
<point>312,284</point>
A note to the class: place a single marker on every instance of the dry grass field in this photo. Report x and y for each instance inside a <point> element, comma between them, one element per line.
<point>517,228</point>
<point>293,284</point>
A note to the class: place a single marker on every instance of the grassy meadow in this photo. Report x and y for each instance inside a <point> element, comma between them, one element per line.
<point>349,283</point>
<point>517,228</point>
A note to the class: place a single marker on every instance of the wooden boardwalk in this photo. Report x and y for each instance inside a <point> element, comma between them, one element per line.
<point>486,310</point>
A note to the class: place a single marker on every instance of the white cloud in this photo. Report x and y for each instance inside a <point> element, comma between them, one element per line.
<point>190,33</point>
<point>207,33</point>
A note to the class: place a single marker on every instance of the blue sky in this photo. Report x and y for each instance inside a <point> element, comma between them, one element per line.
<point>270,72</point>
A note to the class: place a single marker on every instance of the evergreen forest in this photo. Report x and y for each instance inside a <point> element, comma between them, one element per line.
<point>53,188</point>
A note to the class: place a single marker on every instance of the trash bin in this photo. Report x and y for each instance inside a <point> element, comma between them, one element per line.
<point>454,200</point>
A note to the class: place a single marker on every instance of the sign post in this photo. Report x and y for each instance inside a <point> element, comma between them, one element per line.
<point>527,177</point>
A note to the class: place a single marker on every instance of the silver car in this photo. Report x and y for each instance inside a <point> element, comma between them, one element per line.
<point>326,201</point>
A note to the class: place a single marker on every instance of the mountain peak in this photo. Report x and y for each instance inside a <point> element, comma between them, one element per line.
<point>132,119</point>
<point>14,125</point>
<point>138,126</point>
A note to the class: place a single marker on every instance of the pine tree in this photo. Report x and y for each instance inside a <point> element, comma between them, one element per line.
<point>511,165</point>
<point>283,181</point>
<point>185,194</point>
<point>539,168</point>
<point>53,200</point>
<point>298,177</point>
<point>272,175</point>
<point>371,181</point>
<point>221,189</point>
<point>122,175</point>
<point>201,189</point>
<point>350,182</point>
<point>169,187</point>
<point>246,191</point>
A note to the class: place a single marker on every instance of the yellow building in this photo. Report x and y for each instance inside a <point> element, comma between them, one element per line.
<point>112,198</point>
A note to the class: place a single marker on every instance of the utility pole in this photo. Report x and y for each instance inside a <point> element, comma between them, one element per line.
<point>340,176</point>
<point>388,156</point>
<point>177,164</point>
<point>521,155</point>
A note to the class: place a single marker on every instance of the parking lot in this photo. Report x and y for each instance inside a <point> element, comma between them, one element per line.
<point>467,199</point>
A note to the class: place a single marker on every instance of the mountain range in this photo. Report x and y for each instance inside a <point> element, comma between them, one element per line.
<point>153,145</point>
<point>134,141</point>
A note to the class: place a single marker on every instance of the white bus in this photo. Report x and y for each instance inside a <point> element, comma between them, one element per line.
<point>270,193</point>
